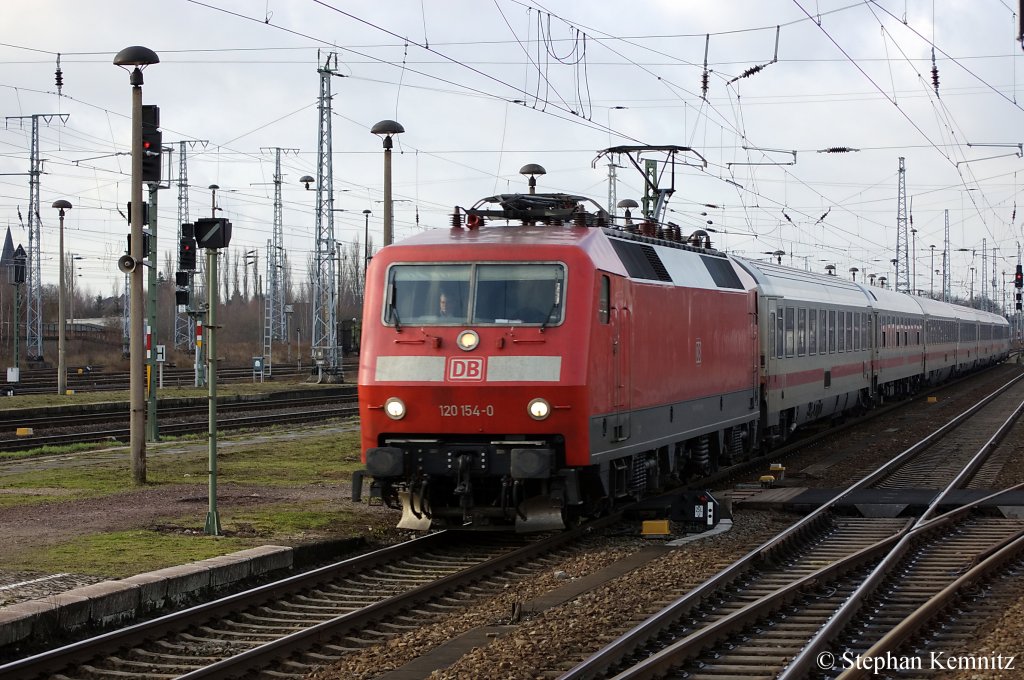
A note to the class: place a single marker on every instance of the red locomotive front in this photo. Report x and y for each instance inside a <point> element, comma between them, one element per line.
<point>472,376</point>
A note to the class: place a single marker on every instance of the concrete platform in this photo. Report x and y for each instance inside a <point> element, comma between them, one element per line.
<point>876,502</point>
<point>120,601</point>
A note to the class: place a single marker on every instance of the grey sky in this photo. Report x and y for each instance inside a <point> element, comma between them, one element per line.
<point>484,87</point>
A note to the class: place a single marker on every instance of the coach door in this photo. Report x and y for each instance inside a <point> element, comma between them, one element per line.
<point>620,318</point>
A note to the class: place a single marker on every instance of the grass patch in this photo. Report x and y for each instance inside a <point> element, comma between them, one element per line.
<point>251,511</point>
<point>125,553</point>
<point>54,450</point>
<point>311,520</point>
<point>279,462</point>
<point>181,540</point>
<point>22,499</point>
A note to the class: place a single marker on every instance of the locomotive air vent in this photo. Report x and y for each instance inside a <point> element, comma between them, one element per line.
<point>722,272</point>
<point>641,261</point>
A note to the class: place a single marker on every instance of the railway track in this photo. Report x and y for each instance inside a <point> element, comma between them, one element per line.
<point>44,381</point>
<point>308,620</point>
<point>807,567</point>
<point>114,413</point>
<point>792,606</point>
<point>122,434</point>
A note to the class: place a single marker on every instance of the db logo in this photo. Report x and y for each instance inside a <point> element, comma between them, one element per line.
<point>466,369</point>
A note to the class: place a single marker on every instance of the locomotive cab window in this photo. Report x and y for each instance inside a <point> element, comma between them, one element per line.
<point>604,301</point>
<point>458,294</point>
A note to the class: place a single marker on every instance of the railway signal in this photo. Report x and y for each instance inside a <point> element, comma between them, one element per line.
<point>1018,279</point>
<point>187,255</point>
<point>181,287</point>
<point>152,143</point>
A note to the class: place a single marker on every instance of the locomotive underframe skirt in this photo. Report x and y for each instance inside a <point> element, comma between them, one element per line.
<point>654,427</point>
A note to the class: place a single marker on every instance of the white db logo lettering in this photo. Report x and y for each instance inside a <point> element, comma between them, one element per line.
<point>466,369</point>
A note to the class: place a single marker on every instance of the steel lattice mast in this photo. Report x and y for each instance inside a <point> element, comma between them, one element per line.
<point>946,263</point>
<point>273,317</point>
<point>902,257</point>
<point>33,273</point>
<point>995,284</point>
<point>184,325</point>
<point>324,341</point>
<point>981,274</point>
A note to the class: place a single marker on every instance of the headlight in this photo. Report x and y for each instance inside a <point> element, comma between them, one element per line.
<point>395,408</point>
<point>468,340</point>
<point>539,409</point>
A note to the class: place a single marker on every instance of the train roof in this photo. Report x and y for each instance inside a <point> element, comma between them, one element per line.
<point>796,284</point>
<point>803,286</point>
<point>891,301</point>
<point>937,308</point>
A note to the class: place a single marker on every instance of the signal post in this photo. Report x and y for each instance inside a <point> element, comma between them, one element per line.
<point>212,233</point>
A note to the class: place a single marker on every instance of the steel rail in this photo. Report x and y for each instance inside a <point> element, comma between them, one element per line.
<point>1008,550</point>
<point>265,655</point>
<point>121,435</point>
<point>806,660</point>
<point>625,644</point>
<point>118,411</point>
<point>52,661</point>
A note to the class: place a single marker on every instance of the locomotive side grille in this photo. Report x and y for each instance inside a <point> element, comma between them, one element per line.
<point>641,261</point>
<point>722,272</point>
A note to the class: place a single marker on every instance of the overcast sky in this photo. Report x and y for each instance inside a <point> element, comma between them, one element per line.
<point>483,87</point>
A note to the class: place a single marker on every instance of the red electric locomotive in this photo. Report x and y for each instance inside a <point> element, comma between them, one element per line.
<point>533,363</point>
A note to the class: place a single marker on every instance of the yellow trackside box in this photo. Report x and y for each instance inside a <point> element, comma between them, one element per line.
<point>655,528</point>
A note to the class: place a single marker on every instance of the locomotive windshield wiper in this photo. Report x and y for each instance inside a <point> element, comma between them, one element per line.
<point>392,308</point>
<point>554,304</point>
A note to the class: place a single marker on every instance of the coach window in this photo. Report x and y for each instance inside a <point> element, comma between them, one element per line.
<point>856,331</point>
<point>812,331</point>
<point>801,332</point>
<point>790,331</point>
<point>849,331</point>
<point>841,333</point>
<point>823,331</point>
<point>831,331</point>
<point>779,336</point>
<point>604,301</point>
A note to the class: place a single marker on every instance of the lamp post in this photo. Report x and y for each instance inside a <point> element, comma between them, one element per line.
<point>138,57</point>
<point>62,368</point>
<point>213,199</point>
<point>387,129</point>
